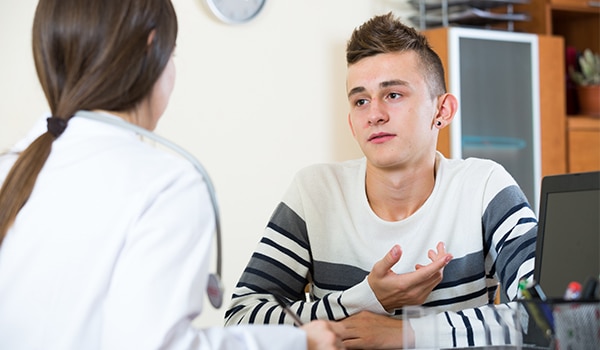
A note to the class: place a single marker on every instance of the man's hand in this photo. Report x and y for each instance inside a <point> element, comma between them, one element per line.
<point>366,330</point>
<point>396,290</point>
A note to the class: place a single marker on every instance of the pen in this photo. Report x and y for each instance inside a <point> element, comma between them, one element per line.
<point>536,305</point>
<point>288,311</point>
<point>589,291</point>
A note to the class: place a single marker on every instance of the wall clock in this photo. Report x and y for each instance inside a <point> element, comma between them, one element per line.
<point>235,11</point>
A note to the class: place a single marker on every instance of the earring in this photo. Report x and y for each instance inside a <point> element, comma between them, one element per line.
<point>438,123</point>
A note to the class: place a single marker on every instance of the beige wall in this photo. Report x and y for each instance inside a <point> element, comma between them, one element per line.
<point>254,102</point>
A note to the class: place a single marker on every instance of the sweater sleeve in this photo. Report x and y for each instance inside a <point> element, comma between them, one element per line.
<point>282,265</point>
<point>488,325</point>
<point>509,231</point>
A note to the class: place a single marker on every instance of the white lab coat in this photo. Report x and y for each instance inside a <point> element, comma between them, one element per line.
<point>111,251</point>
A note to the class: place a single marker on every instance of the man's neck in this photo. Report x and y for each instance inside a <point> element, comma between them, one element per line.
<point>396,194</point>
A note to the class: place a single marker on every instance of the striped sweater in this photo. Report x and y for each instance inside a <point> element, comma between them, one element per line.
<point>324,235</point>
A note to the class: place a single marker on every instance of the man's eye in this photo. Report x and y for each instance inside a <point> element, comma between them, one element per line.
<point>394,95</point>
<point>361,102</point>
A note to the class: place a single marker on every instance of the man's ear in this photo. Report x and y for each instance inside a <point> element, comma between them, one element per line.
<point>446,110</point>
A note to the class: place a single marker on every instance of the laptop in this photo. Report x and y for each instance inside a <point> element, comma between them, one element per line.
<point>568,243</point>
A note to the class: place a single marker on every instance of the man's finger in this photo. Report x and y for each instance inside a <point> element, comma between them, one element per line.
<point>389,260</point>
<point>435,265</point>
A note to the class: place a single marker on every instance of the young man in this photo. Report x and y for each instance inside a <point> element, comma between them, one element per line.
<point>336,221</point>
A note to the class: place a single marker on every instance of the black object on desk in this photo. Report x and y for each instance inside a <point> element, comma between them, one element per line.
<point>568,238</point>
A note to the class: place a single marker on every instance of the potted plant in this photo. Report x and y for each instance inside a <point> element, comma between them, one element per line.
<point>587,78</point>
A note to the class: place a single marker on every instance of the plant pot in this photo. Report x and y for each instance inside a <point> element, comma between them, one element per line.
<point>589,100</point>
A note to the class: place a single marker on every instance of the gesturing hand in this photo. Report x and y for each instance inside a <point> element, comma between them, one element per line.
<point>396,290</point>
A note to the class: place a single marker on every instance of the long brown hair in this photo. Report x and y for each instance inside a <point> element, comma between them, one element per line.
<point>387,34</point>
<point>89,54</point>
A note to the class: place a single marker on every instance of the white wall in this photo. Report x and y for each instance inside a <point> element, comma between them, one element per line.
<point>254,102</point>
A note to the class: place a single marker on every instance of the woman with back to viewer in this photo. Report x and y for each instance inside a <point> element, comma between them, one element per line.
<point>105,240</point>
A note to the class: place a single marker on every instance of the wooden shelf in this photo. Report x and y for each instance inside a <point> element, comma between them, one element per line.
<point>574,11</point>
<point>578,23</point>
<point>587,5</point>
<point>579,122</point>
<point>583,143</point>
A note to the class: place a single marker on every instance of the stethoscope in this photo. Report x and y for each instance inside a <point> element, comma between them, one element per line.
<point>214,288</point>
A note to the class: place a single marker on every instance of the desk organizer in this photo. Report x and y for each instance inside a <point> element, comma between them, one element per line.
<point>562,324</point>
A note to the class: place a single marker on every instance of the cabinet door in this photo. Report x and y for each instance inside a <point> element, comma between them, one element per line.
<point>584,144</point>
<point>495,76</point>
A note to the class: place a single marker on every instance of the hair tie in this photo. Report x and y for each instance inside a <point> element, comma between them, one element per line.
<point>56,126</point>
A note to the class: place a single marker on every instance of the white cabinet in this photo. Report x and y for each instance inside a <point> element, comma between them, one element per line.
<point>495,76</point>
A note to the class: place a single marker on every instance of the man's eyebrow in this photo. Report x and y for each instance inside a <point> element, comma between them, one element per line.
<point>392,83</point>
<point>383,84</point>
<point>356,90</point>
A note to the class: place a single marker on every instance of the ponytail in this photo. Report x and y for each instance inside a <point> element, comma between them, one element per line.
<point>89,55</point>
<point>20,181</point>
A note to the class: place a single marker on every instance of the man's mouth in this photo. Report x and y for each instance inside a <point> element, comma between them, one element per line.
<point>380,137</point>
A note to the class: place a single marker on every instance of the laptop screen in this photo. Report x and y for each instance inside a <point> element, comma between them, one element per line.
<point>568,247</point>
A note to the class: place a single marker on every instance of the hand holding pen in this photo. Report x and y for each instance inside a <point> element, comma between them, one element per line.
<point>315,330</point>
<point>288,311</point>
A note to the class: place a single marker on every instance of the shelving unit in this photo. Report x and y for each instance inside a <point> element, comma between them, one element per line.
<point>578,23</point>
<point>570,142</point>
<point>468,13</point>
<point>499,104</point>
<point>498,143</point>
